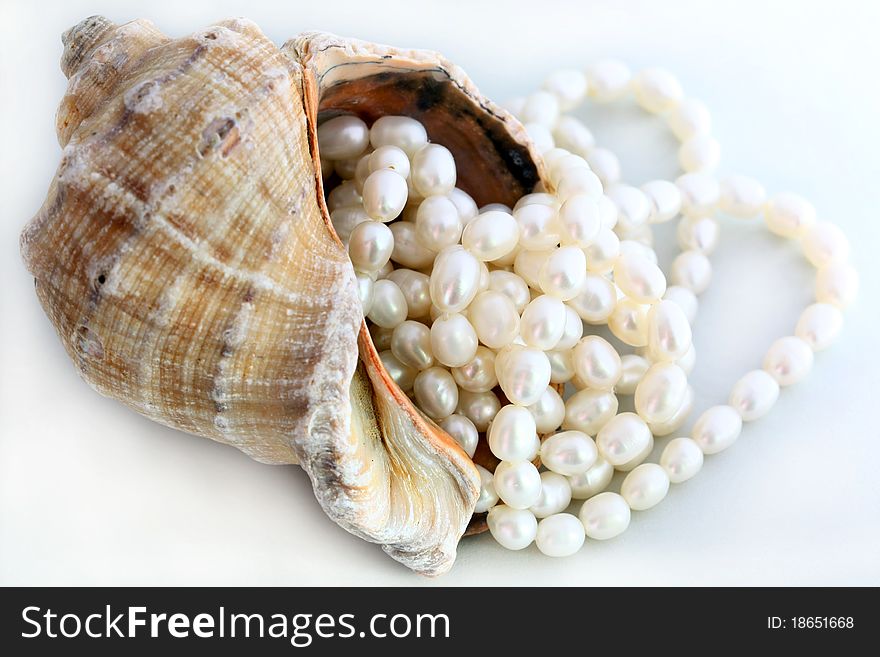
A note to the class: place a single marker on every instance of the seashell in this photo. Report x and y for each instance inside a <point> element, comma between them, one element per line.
<point>185,256</point>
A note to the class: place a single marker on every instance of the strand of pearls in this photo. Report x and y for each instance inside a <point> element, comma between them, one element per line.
<point>465,302</point>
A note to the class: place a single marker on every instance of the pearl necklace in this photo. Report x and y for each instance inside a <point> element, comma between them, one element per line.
<point>450,330</point>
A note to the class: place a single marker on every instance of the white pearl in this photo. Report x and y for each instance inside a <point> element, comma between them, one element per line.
<point>605,516</point>
<point>754,395</point>
<point>408,251</point>
<point>580,220</point>
<point>789,215</point>
<point>391,158</point>
<point>645,486</point>
<point>596,362</point>
<point>536,226</point>
<point>478,407</point>
<point>678,418</point>
<point>571,134</point>
<point>661,392</point>
<point>462,431</point>
<point>548,411</point>
<point>589,410</point>
<point>523,374</point>
<point>491,235</point>
<point>561,369</point>
<point>633,206</point>
<point>819,325</point>
<point>591,482</point>
<point>689,119</point>
<point>345,219</point>
<point>488,497</point>
<point>629,322</point>
<point>623,438</point>
<point>633,368</point>
<point>573,331</point>
<point>837,284</point>
<point>603,252</point>
<point>518,484</point>
<point>700,193</point>
<point>513,435</point>
<point>494,318</point>
<point>639,278</point>
<point>579,181</point>
<point>453,340</point>
<point>685,299</point>
<point>342,137</point>
<point>540,107</point>
<point>569,453</point>
<point>416,289</point>
<point>560,535</point>
<point>555,495</point>
<point>437,223</point>
<point>741,196</point>
<point>407,134</point>
<point>699,153</point>
<point>513,529</point>
<point>563,272</point>
<point>343,195</point>
<point>389,305</point>
<point>692,269</point>
<point>385,194</point>
<point>511,286</point>
<point>717,429</point>
<point>402,375</point>
<point>543,322</point>
<point>698,234</point>
<point>824,243</point>
<point>608,79</point>
<point>788,360</point>
<point>560,163</point>
<point>541,136</point>
<point>668,331</point>
<point>365,291</point>
<point>466,206</point>
<point>568,85</point>
<point>605,165</point>
<point>436,393</point>
<point>370,246</point>
<point>527,265</point>
<point>657,90</point>
<point>665,200</point>
<point>682,458</point>
<point>454,279</point>
<point>596,300</point>
<point>411,344</point>
<point>478,374</point>
<point>433,170</point>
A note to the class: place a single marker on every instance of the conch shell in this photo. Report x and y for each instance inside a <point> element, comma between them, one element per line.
<point>185,256</point>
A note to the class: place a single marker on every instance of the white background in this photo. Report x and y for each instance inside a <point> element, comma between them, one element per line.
<point>91,493</point>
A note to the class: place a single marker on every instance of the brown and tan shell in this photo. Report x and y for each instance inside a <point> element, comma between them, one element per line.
<point>185,256</point>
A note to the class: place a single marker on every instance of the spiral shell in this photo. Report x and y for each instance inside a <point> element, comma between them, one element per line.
<point>185,256</point>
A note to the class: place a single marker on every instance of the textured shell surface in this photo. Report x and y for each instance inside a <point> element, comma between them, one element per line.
<point>185,256</point>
